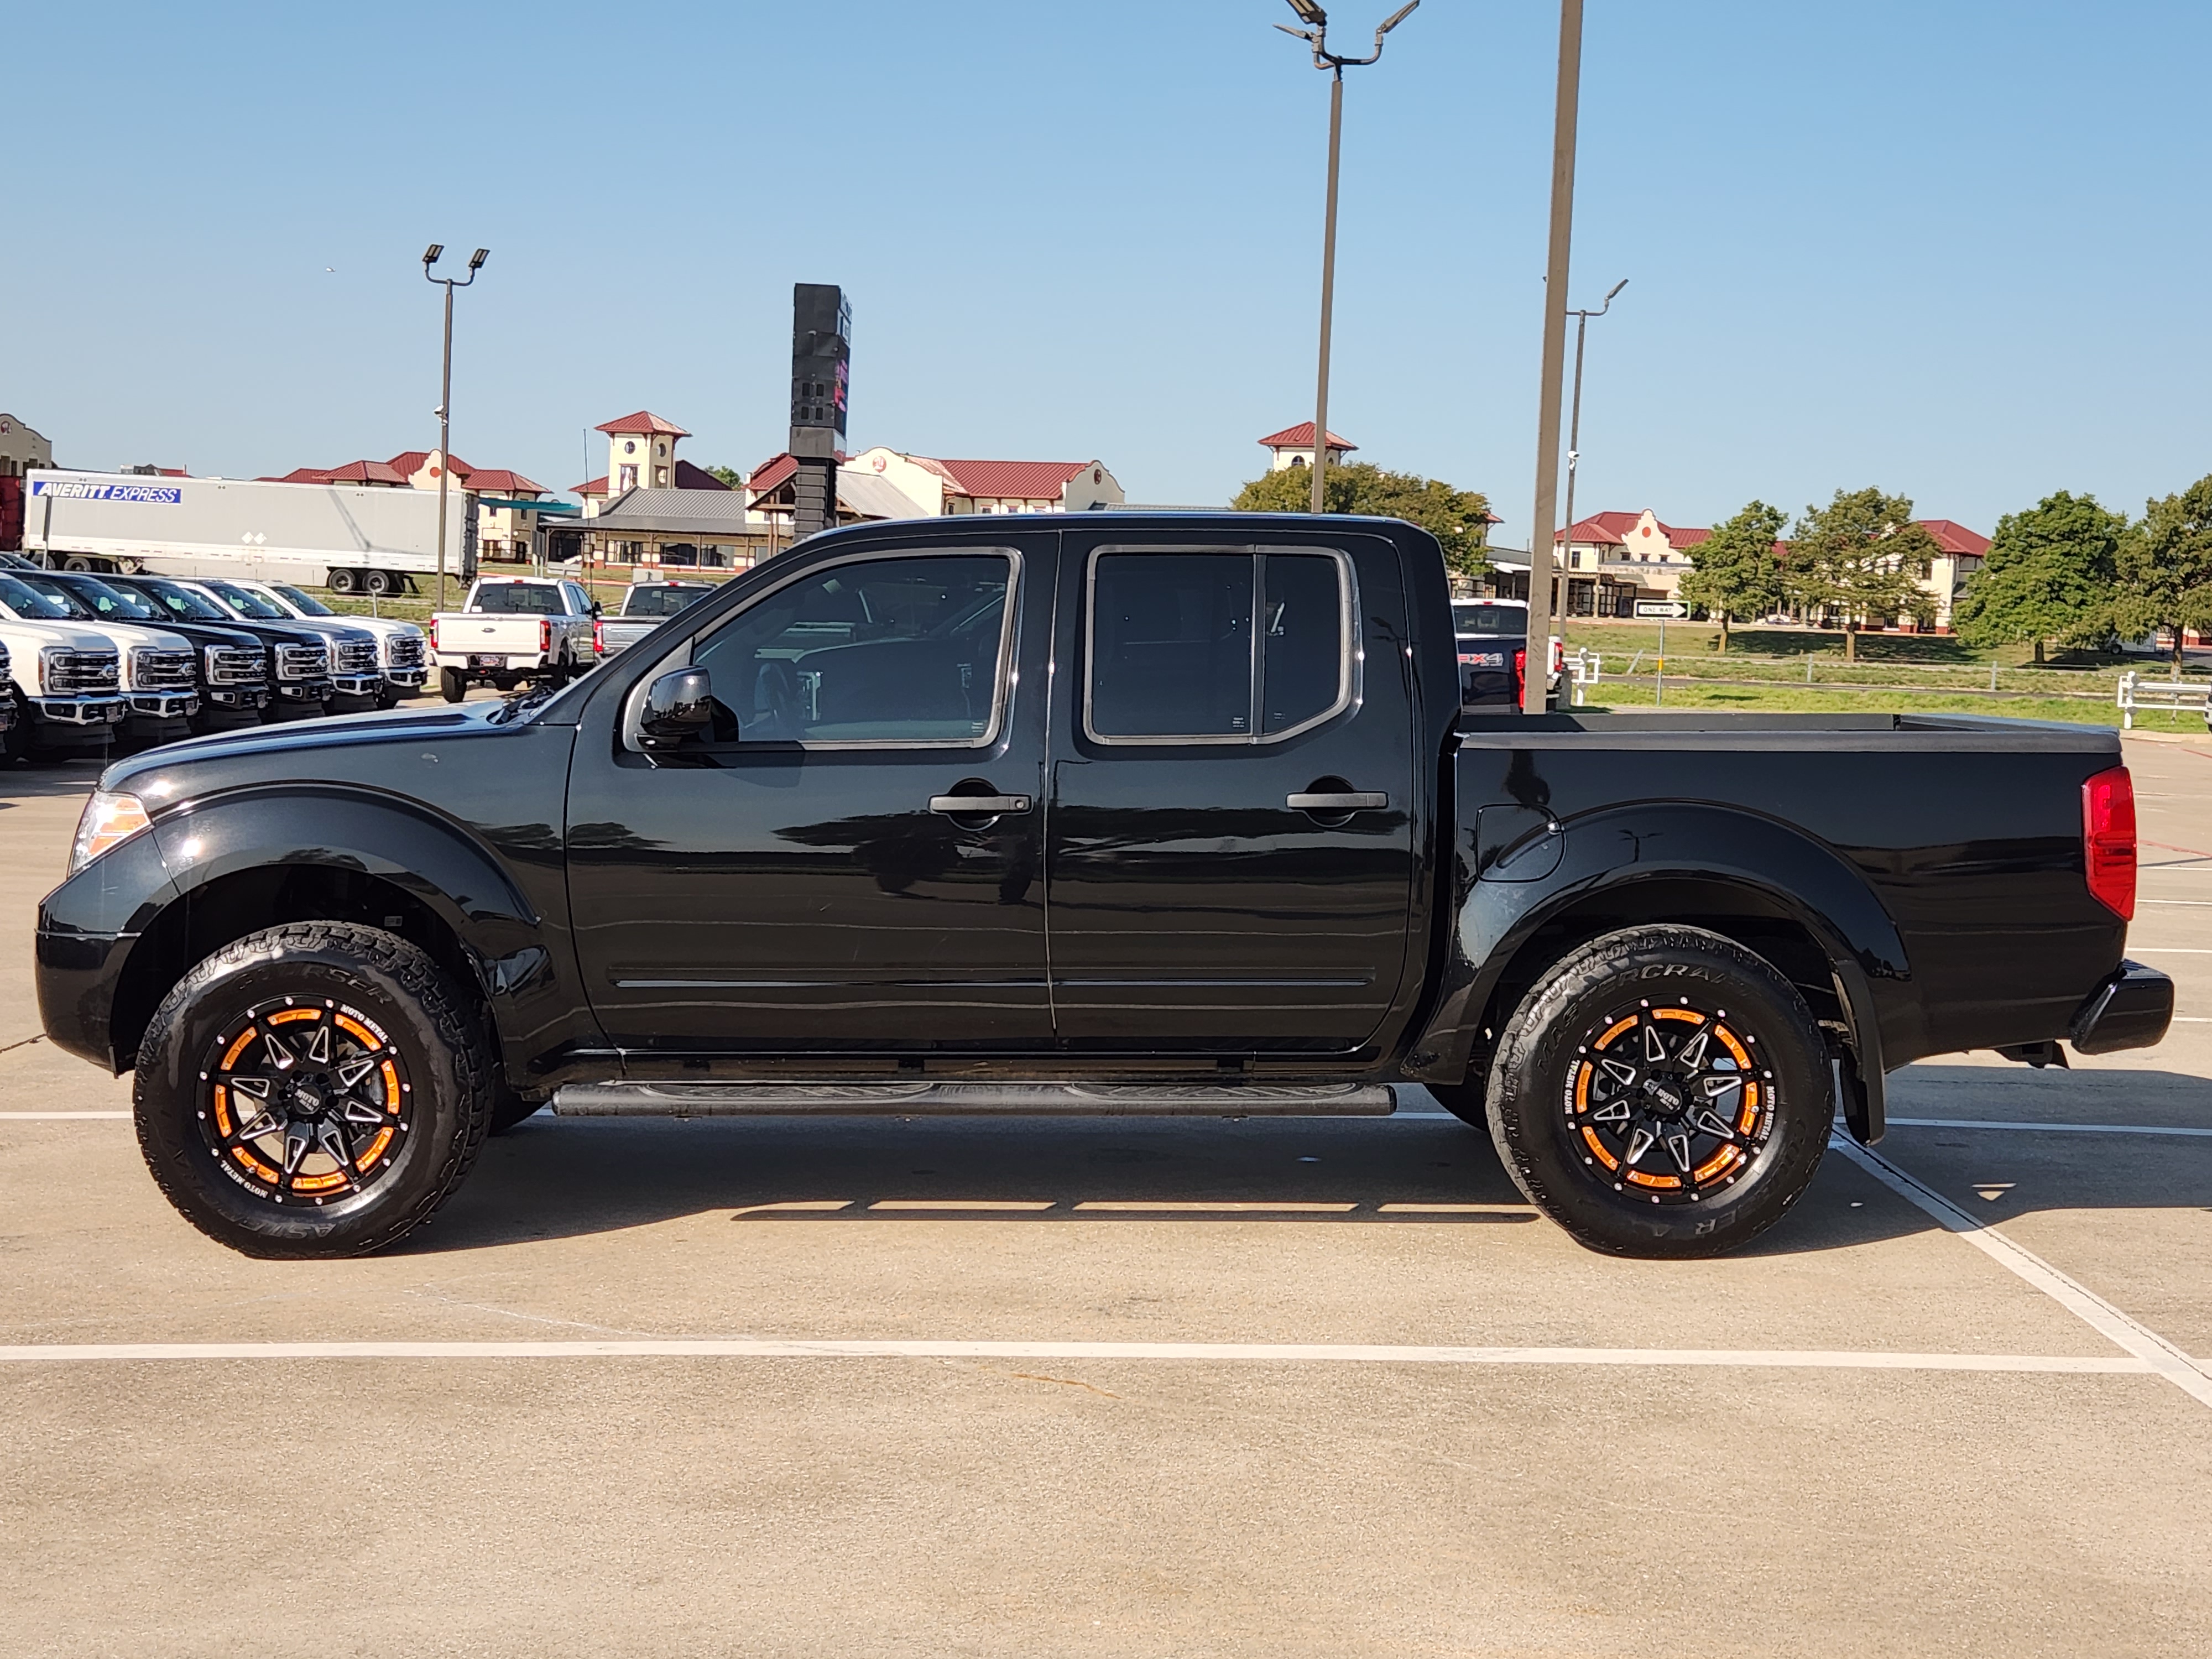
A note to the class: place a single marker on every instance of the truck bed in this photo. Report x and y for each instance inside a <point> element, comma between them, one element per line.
<point>1966,833</point>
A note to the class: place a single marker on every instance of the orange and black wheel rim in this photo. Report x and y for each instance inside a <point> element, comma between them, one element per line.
<point>305,1100</point>
<point>1668,1102</point>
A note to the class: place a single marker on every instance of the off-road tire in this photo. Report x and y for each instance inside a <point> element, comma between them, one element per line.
<point>452,685</point>
<point>399,986</point>
<point>1542,1050</point>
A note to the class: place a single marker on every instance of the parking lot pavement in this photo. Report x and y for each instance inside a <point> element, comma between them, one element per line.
<point>1340,1392</point>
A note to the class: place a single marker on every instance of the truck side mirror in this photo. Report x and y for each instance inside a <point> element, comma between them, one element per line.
<point>598,610</point>
<point>677,705</point>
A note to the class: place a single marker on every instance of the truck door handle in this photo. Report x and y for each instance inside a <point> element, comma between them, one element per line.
<point>978,806</point>
<point>1350,801</point>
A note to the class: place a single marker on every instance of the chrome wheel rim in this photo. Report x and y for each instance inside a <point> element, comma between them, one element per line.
<point>1668,1103</point>
<point>305,1100</point>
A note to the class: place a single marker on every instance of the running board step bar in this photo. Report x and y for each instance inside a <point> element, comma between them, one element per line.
<point>975,1099</point>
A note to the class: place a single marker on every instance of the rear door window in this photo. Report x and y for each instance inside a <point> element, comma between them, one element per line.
<point>1207,646</point>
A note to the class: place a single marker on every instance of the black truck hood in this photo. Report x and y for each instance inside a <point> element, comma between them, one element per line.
<point>273,750</point>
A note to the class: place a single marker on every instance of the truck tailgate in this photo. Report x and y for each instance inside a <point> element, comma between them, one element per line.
<point>476,633</point>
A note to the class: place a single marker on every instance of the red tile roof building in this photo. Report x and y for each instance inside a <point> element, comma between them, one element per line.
<point>1294,446</point>
<point>1611,561</point>
<point>502,532</point>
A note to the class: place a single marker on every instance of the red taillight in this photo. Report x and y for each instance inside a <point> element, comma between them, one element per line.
<point>599,639</point>
<point>1520,676</point>
<point>1558,654</point>
<point>2108,840</point>
<point>544,634</point>
<point>433,632</point>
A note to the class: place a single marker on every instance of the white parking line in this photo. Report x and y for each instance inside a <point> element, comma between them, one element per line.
<point>51,1117</point>
<point>2085,1305</point>
<point>2042,1129</point>
<point>1219,1352</point>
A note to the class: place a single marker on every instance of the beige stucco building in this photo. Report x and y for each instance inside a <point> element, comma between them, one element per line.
<point>1605,563</point>
<point>20,448</point>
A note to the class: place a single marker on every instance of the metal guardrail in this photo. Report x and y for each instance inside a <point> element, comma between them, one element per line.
<point>2136,692</point>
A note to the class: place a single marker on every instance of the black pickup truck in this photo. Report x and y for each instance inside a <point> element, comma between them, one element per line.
<point>1138,814</point>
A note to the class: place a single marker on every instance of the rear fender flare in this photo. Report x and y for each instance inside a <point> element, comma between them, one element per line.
<point>1628,846</point>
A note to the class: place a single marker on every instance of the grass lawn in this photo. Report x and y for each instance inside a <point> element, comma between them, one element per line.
<point>1787,699</point>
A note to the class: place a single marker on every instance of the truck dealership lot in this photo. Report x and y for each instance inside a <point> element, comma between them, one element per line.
<point>1264,1387</point>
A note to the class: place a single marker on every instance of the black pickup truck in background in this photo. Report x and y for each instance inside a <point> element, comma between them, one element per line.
<point>1492,641</point>
<point>1146,814</point>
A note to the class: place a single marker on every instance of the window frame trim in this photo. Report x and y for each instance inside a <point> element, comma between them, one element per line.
<point>1350,657</point>
<point>1002,690</point>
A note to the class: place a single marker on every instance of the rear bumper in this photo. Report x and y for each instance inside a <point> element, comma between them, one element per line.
<point>2131,1010</point>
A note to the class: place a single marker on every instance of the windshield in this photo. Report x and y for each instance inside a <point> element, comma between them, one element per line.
<point>303,603</point>
<point>73,607</point>
<point>182,602</point>
<point>518,599</point>
<point>246,602</point>
<point>113,602</point>
<point>29,603</point>
<point>1477,619</point>
<point>661,601</point>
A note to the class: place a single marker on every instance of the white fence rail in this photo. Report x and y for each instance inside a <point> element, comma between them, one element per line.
<point>1584,667</point>
<point>2136,692</point>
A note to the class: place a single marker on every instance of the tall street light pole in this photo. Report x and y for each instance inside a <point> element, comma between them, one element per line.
<point>1566,111</point>
<point>1575,420</point>
<point>430,256</point>
<point>1316,35</point>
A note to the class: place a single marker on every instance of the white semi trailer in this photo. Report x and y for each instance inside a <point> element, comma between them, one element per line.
<point>349,537</point>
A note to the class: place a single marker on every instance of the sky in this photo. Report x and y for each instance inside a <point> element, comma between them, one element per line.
<point>1946,247</point>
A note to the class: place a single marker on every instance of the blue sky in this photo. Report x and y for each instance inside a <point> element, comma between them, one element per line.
<point>1950,247</point>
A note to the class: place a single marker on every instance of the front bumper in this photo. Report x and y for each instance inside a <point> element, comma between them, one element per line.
<point>91,714</point>
<point>2131,1010</point>
<point>356,685</point>
<point>159,714</point>
<point>237,699</point>
<point>303,690</point>
<point>407,679</point>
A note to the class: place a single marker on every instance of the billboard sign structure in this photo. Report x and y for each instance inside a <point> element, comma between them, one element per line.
<point>821,367</point>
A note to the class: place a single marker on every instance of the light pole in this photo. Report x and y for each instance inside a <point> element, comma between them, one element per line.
<point>1543,520</point>
<point>1575,424</point>
<point>445,391</point>
<point>1316,35</point>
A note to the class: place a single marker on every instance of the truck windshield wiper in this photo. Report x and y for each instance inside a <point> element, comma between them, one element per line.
<point>517,703</point>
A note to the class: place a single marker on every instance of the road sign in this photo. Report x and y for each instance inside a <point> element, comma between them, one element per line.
<point>1664,610</point>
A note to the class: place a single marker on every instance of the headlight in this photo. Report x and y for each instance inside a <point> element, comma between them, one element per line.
<point>109,820</point>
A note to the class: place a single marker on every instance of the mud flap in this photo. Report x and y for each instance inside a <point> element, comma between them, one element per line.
<point>1864,1109</point>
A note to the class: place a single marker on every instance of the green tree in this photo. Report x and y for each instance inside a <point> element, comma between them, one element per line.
<point>1733,572</point>
<point>1460,519</point>
<point>2164,567</point>
<point>2049,575</point>
<point>1861,557</point>
<point>728,475</point>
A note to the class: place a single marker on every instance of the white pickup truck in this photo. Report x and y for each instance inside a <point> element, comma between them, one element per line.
<point>513,628</point>
<point>644,608</point>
